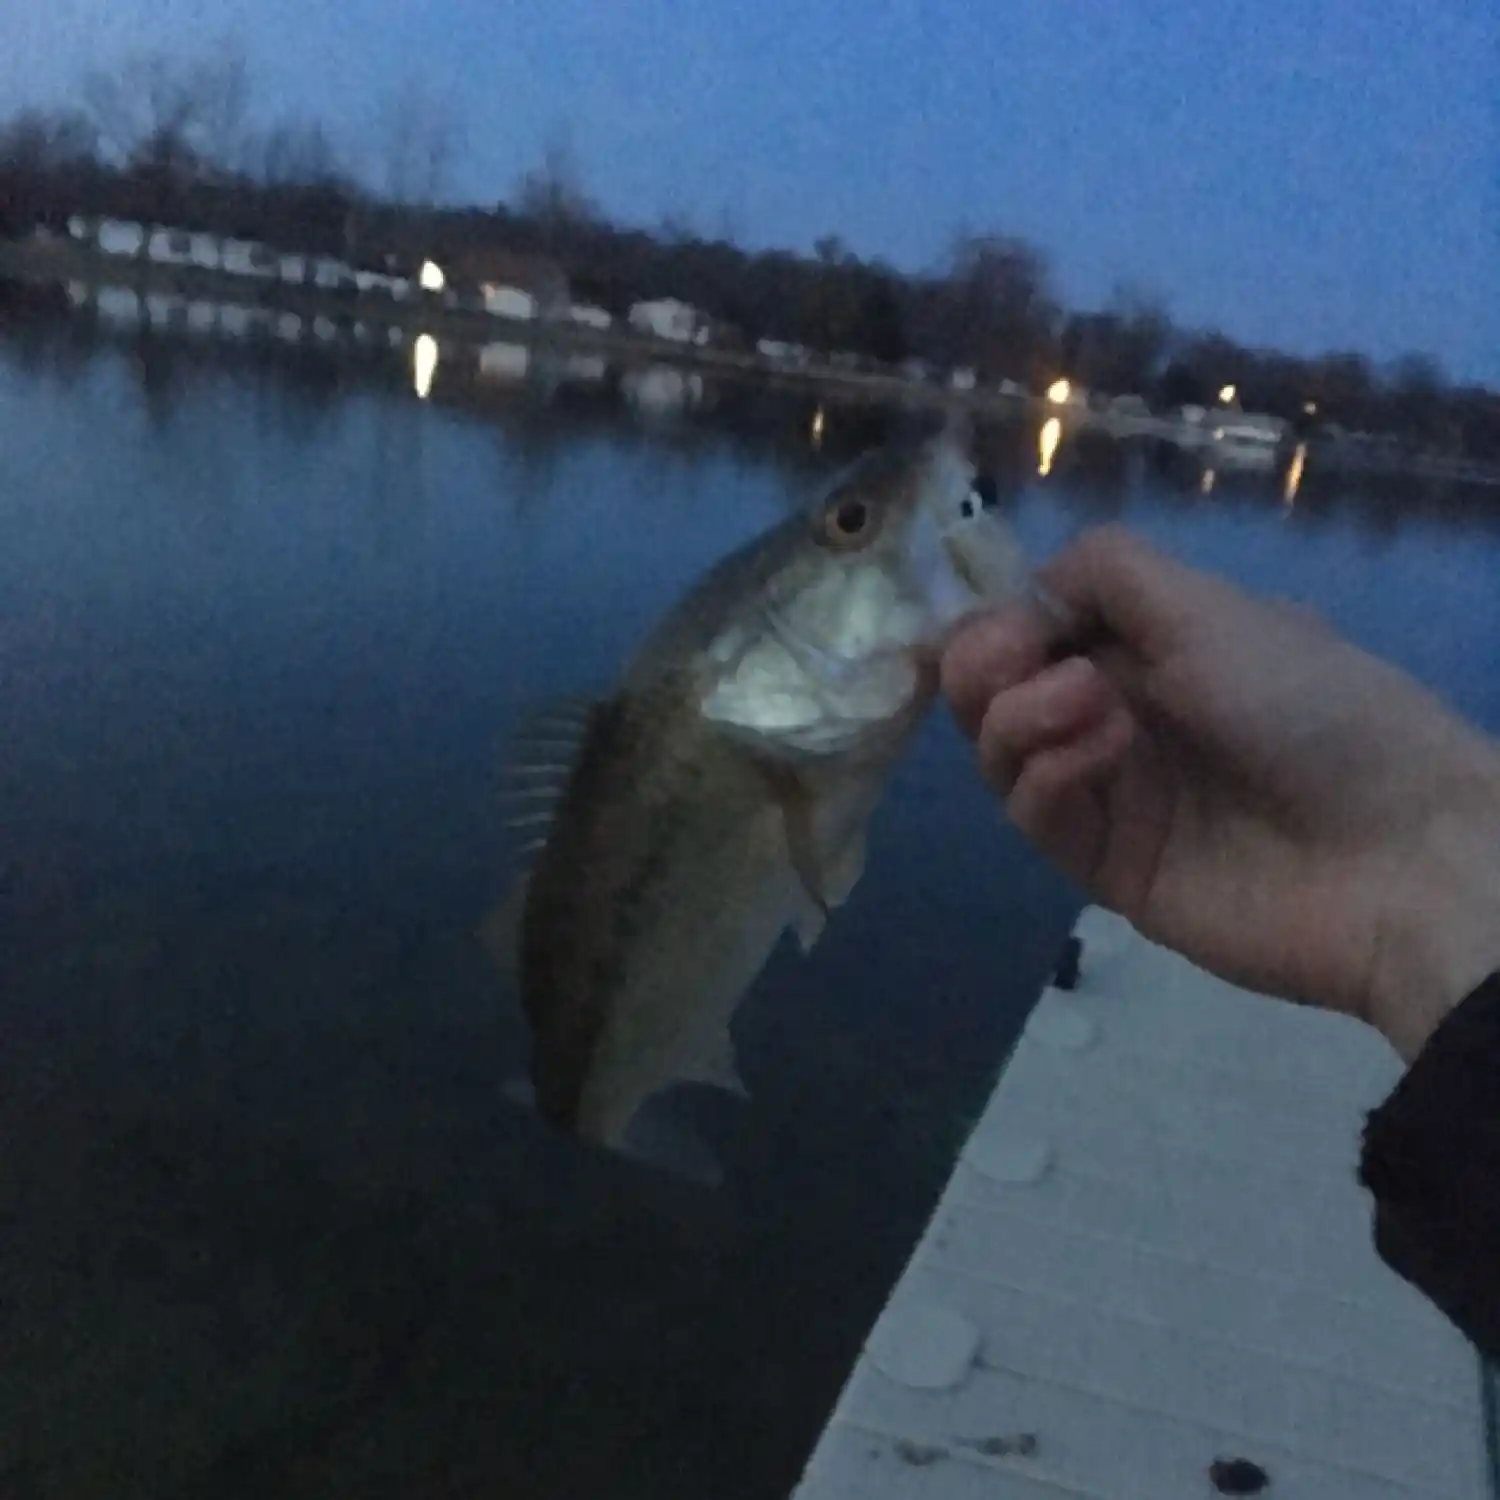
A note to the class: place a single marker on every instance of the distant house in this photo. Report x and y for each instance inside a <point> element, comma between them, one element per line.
<point>667,318</point>
<point>1245,440</point>
<point>508,285</point>
<point>380,284</point>
<point>1129,406</point>
<point>332,274</point>
<point>589,316</point>
<point>173,247</point>
<point>120,237</point>
<point>246,258</point>
<point>507,301</point>
<point>962,379</point>
<point>782,352</point>
<point>204,250</point>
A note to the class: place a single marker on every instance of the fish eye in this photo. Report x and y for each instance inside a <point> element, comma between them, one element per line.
<point>847,520</point>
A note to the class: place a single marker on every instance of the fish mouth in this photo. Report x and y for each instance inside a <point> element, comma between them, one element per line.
<point>959,561</point>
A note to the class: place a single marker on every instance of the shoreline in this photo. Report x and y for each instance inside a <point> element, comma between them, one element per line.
<point>58,261</point>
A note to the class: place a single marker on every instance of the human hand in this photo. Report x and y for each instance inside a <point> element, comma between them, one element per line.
<point>1242,785</point>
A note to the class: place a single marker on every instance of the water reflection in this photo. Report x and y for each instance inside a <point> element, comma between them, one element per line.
<point>511,383</point>
<point>504,362</point>
<point>424,360</point>
<point>1047,441</point>
<point>1294,476</point>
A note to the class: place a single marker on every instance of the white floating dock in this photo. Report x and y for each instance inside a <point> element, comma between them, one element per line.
<point>1154,1256</point>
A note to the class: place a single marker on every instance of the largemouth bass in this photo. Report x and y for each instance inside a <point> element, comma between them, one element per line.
<point>720,794</point>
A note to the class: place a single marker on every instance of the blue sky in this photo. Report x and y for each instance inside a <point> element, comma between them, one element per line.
<point>1315,175</point>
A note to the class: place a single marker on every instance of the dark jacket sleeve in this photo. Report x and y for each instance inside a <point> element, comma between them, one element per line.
<point>1431,1159</point>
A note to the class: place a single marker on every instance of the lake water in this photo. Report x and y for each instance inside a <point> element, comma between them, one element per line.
<point>267,1225</point>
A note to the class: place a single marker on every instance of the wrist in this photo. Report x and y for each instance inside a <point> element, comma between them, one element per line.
<point>1440,937</point>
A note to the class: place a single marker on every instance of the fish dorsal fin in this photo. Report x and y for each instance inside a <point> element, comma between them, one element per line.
<point>535,777</point>
<point>540,765</point>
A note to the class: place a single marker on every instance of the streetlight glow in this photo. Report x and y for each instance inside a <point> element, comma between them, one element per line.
<point>1059,391</point>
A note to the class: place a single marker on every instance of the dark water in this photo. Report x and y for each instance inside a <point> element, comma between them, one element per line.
<point>267,1226</point>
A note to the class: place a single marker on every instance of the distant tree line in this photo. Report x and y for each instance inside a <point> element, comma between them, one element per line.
<point>174,141</point>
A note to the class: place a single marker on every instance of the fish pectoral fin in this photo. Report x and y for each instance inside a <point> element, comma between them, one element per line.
<point>796,804</point>
<point>845,868</point>
<point>500,932</point>
<point>808,922</point>
<point>716,1067</point>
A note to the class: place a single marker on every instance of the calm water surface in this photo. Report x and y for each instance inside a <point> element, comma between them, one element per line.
<point>267,1225</point>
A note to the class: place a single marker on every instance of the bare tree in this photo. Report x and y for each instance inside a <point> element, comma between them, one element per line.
<point>299,153</point>
<point>423,138</point>
<point>551,193</point>
<point>181,115</point>
<point>35,141</point>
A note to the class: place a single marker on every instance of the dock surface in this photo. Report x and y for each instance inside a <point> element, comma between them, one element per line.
<point>1151,1276</point>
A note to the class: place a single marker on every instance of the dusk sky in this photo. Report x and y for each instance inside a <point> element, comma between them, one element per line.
<point>1316,175</point>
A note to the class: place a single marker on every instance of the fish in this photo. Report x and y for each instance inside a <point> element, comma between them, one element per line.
<point>718,796</point>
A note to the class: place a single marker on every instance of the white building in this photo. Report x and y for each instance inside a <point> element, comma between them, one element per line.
<point>508,301</point>
<point>203,250</point>
<point>962,379</point>
<point>120,237</point>
<point>173,247</point>
<point>782,352</point>
<point>589,317</point>
<point>1245,440</point>
<point>330,273</point>
<point>396,287</point>
<point>667,318</point>
<point>246,258</point>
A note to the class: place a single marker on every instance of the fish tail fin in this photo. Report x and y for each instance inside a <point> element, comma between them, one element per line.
<point>656,1139</point>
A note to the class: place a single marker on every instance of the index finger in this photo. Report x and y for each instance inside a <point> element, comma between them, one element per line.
<point>1115,585</point>
<point>990,653</point>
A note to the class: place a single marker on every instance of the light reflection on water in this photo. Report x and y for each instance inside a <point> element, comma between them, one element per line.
<point>266,621</point>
